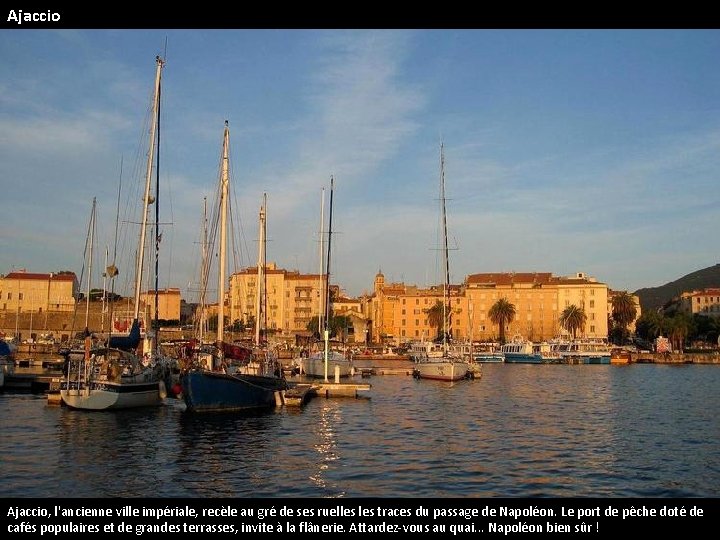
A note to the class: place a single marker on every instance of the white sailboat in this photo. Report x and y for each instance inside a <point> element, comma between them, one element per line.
<point>115,377</point>
<point>448,366</point>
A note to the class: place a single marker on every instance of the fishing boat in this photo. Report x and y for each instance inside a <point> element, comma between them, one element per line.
<point>114,376</point>
<point>449,366</point>
<point>256,380</point>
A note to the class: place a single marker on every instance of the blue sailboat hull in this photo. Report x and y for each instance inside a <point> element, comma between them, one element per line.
<point>213,391</point>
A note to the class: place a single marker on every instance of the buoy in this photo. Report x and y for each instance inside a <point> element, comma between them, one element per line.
<point>162,390</point>
<point>177,390</point>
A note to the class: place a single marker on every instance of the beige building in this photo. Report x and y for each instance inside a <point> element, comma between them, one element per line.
<point>168,304</point>
<point>702,302</point>
<point>293,299</point>
<point>30,292</point>
<point>399,312</point>
<point>539,299</point>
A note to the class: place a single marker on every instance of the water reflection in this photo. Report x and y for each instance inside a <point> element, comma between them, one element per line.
<point>519,431</point>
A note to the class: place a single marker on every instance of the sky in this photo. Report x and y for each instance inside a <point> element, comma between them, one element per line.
<point>566,151</point>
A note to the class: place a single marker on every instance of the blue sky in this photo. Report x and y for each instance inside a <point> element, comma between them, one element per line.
<point>594,151</point>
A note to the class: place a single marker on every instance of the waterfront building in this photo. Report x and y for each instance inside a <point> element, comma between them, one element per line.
<point>22,292</point>
<point>399,312</point>
<point>539,299</point>
<point>292,298</point>
<point>699,302</point>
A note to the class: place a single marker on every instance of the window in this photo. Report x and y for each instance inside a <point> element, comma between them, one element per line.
<point>417,301</point>
<point>592,292</point>
<point>592,329</point>
<point>592,303</point>
<point>482,327</point>
<point>417,322</point>
<point>417,333</point>
<point>403,322</point>
<point>403,302</point>
<point>403,312</point>
<point>592,316</point>
<point>402,333</point>
<point>9,296</point>
<point>20,296</point>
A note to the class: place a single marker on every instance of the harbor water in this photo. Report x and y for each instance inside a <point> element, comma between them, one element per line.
<point>520,431</point>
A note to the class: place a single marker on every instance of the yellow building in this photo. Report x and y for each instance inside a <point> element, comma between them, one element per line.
<point>30,292</point>
<point>168,304</point>
<point>399,312</point>
<point>539,299</point>
<point>293,299</point>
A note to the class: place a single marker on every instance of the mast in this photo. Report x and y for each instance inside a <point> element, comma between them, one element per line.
<point>91,240</point>
<point>203,274</point>
<point>446,285</point>
<point>328,309</point>
<point>259,311</point>
<point>158,236</point>
<point>148,180</point>
<point>321,307</point>
<point>224,181</point>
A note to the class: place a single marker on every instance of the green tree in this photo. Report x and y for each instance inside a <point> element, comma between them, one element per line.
<point>573,319</point>
<point>338,326</point>
<point>649,325</point>
<point>623,313</point>
<point>435,317</point>
<point>679,326</point>
<point>502,313</point>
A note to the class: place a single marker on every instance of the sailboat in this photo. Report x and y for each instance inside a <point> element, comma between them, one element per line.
<point>448,366</point>
<point>327,361</point>
<point>114,376</point>
<point>257,382</point>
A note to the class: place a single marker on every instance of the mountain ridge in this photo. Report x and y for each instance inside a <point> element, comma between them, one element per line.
<point>653,298</point>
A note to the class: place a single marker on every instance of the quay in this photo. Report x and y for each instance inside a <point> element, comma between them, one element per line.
<point>300,393</point>
<point>675,358</point>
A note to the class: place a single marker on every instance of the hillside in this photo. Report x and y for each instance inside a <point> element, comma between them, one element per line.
<point>655,297</point>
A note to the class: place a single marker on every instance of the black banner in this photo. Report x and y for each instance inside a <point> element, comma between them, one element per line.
<point>453,517</point>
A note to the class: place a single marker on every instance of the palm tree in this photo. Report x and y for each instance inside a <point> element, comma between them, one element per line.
<point>501,313</point>
<point>573,319</point>
<point>623,311</point>
<point>435,316</point>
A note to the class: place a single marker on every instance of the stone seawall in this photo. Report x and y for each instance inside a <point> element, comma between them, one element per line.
<point>675,358</point>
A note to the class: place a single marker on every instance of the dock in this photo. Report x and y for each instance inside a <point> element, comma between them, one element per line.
<point>29,381</point>
<point>297,396</point>
<point>300,393</point>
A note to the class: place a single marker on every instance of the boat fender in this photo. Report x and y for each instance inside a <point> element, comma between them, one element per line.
<point>162,391</point>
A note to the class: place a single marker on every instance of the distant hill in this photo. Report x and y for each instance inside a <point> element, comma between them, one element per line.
<point>652,298</point>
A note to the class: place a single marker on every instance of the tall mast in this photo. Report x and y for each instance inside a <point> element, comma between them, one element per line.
<point>91,239</point>
<point>321,307</point>
<point>259,311</point>
<point>156,324</point>
<point>328,309</point>
<point>446,285</point>
<point>148,180</point>
<point>224,181</point>
<point>203,274</point>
